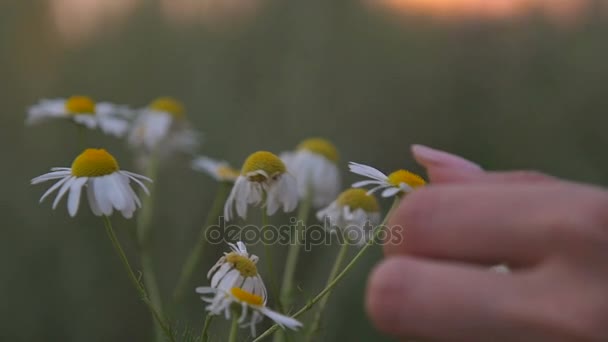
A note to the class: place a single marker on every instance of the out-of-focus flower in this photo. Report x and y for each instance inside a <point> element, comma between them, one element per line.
<point>238,269</point>
<point>398,182</point>
<point>314,165</point>
<point>352,212</point>
<point>108,187</point>
<point>264,180</point>
<point>253,307</point>
<point>163,128</point>
<point>108,117</point>
<point>219,170</point>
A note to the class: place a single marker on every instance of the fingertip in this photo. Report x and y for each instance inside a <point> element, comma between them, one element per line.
<point>384,285</point>
<point>429,157</point>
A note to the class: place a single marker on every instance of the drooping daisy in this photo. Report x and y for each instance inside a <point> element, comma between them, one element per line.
<point>314,164</point>
<point>352,212</point>
<point>109,118</point>
<point>162,127</point>
<point>238,269</point>
<point>264,180</point>
<point>253,307</point>
<point>398,182</point>
<point>219,170</point>
<point>108,187</point>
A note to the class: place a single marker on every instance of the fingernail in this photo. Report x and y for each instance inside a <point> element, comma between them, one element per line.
<point>427,157</point>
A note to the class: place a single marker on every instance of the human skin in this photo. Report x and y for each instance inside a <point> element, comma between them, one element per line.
<point>436,285</point>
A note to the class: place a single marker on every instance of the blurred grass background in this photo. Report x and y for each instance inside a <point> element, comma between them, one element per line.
<point>522,92</point>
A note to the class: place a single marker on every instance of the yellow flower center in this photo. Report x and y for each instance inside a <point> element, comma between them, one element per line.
<point>403,176</point>
<point>94,163</point>
<point>168,105</point>
<point>359,199</point>
<point>226,172</point>
<point>242,264</point>
<point>80,105</point>
<point>264,161</point>
<point>320,146</point>
<point>246,297</point>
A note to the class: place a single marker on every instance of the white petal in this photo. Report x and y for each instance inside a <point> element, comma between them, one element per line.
<point>248,285</point>
<point>205,290</point>
<point>50,176</point>
<point>101,197</point>
<point>88,120</point>
<point>54,187</point>
<point>367,171</point>
<point>282,320</point>
<point>389,192</point>
<point>64,188</point>
<point>113,126</point>
<point>115,191</point>
<point>93,201</point>
<point>74,196</point>
<point>220,274</point>
<point>366,183</point>
<point>138,182</point>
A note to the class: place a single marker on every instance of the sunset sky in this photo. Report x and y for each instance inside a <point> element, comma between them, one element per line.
<point>484,8</point>
<point>75,20</point>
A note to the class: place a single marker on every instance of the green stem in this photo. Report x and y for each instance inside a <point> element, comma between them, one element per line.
<point>205,333</point>
<point>339,277</point>
<point>196,254</point>
<point>314,327</point>
<point>234,328</point>
<point>268,255</point>
<point>287,288</point>
<point>135,281</point>
<point>144,223</point>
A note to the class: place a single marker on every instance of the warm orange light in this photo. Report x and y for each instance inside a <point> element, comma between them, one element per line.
<point>76,20</point>
<point>565,9</point>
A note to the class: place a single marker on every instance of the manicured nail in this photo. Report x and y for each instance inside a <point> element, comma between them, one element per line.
<point>427,157</point>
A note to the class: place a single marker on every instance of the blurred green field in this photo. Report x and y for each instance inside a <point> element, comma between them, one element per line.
<point>522,93</point>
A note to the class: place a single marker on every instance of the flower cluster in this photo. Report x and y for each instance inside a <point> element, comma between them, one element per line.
<point>307,177</point>
<point>235,280</point>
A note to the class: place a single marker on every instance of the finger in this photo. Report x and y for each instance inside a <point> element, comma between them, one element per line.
<point>428,157</point>
<point>448,175</point>
<point>491,223</point>
<point>444,167</point>
<point>416,298</point>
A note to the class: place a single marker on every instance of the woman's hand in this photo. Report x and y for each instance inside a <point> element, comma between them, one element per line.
<point>436,284</point>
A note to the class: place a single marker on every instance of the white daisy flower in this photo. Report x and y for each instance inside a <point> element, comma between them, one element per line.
<point>238,269</point>
<point>253,307</point>
<point>162,127</point>
<point>314,164</point>
<point>398,182</point>
<point>219,170</point>
<point>108,188</point>
<point>264,180</point>
<point>108,117</point>
<point>352,212</point>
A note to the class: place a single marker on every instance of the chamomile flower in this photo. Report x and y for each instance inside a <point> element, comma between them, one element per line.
<point>253,307</point>
<point>264,180</point>
<point>108,187</point>
<point>219,170</point>
<point>314,165</point>
<point>109,118</point>
<point>352,212</point>
<point>238,269</point>
<point>398,182</point>
<point>162,127</point>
